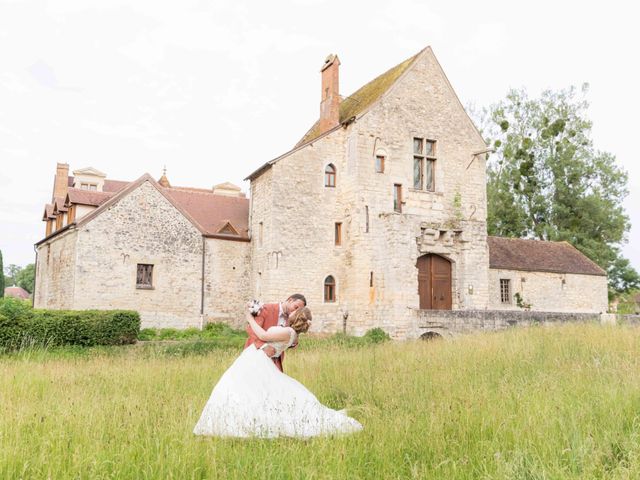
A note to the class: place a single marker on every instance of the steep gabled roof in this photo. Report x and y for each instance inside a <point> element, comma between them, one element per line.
<point>59,205</point>
<point>48,212</point>
<point>213,212</point>
<point>358,103</point>
<point>364,97</point>
<point>539,256</point>
<point>206,211</point>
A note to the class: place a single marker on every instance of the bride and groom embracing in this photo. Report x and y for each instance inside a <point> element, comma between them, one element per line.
<point>254,398</point>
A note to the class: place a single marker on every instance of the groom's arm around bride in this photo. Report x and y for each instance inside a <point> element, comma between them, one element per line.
<point>267,318</point>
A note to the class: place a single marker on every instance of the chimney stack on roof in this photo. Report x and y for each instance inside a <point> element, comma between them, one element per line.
<point>61,183</point>
<point>330,103</point>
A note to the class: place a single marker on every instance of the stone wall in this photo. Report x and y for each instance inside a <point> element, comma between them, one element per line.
<point>141,228</point>
<point>447,323</point>
<point>227,286</point>
<point>550,292</point>
<point>375,267</point>
<point>55,272</point>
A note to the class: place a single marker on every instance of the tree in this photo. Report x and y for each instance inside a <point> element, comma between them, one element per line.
<point>547,181</point>
<point>25,277</point>
<point>1,277</point>
<point>11,272</point>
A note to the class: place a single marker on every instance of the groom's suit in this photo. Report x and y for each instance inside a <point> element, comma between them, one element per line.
<point>267,318</point>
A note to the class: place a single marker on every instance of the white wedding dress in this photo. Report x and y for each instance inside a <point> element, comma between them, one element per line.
<point>255,399</point>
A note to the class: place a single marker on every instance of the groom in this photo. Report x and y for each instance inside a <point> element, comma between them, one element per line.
<point>272,314</point>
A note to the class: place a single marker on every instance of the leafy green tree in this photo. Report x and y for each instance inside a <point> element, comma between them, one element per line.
<point>547,181</point>
<point>1,277</point>
<point>11,272</point>
<point>26,276</point>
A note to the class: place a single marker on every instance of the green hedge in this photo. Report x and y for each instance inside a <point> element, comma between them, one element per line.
<point>22,326</point>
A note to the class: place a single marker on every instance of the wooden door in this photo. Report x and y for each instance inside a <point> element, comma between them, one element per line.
<point>434,282</point>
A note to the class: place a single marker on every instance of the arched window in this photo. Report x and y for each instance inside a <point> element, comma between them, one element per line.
<point>330,176</point>
<point>329,289</point>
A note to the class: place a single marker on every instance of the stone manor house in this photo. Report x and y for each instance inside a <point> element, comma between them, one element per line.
<point>388,192</point>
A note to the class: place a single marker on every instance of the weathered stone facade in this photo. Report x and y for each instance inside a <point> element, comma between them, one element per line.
<point>375,267</point>
<point>549,292</point>
<point>204,272</point>
<point>94,265</point>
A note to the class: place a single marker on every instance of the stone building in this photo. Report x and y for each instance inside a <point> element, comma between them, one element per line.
<point>384,203</point>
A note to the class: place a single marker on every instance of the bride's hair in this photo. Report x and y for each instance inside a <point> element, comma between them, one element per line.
<point>300,321</point>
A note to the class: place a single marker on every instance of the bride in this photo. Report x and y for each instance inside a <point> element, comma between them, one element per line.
<point>255,399</point>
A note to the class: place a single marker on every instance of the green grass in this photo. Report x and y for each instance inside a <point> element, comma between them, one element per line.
<point>538,403</point>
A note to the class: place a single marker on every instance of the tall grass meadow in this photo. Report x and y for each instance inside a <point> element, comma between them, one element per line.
<point>539,403</point>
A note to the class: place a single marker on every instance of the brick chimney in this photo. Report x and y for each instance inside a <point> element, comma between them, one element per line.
<point>330,103</point>
<point>61,183</point>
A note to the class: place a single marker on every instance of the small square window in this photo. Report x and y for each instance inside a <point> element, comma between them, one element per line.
<point>144,276</point>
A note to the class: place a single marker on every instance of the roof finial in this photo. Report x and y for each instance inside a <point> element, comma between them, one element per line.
<point>164,181</point>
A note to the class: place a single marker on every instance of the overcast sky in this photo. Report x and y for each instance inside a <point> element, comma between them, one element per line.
<point>213,89</point>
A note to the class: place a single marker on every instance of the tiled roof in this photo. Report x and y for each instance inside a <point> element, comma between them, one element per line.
<point>88,197</point>
<point>363,98</point>
<point>114,185</point>
<point>48,212</point>
<point>540,256</point>
<point>59,204</point>
<point>212,212</point>
<point>16,292</point>
<point>109,185</point>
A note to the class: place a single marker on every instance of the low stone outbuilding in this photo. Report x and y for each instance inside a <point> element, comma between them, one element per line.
<point>544,276</point>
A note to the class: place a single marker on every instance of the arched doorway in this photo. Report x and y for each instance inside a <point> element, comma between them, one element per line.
<point>430,336</point>
<point>434,282</point>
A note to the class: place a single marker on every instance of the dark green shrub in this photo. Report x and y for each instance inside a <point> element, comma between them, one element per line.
<point>14,308</point>
<point>20,326</point>
<point>376,335</point>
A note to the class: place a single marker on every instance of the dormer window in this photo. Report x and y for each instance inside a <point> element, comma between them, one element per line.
<point>89,179</point>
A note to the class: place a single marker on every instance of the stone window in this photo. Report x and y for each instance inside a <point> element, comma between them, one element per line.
<point>397,197</point>
<point>88,186</point>
<point>505,290</point>
<point>260,233</point>
<point>338,233</point>
<point>329,289</point>
<point>379,163</point>
<point>144,276</point>
<point>424,162</point>
<point>330,176</point>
